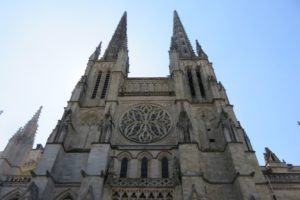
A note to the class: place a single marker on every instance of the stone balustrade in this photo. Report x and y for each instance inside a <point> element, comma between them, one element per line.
<point>147,86</point>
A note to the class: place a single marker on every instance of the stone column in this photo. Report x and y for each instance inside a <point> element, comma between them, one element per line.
<point>133,169</point>
<point>155,168</point>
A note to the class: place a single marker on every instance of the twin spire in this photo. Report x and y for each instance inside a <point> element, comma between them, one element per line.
<point>27,133</point>
<point>179,42</point>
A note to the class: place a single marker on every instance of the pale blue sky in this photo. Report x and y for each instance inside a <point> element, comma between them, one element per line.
<point>254,46</point>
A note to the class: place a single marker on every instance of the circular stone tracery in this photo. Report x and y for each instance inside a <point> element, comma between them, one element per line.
<point>145,123</point>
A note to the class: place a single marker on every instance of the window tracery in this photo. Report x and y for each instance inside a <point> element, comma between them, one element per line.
<point>145,123</point>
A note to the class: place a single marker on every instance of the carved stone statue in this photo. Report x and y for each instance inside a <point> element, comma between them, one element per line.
<point>270,156</point>
<point>106,128</point>
<point>185,126</point>
<point>248,143</point>
<point>227,127</point>
<point>176,170</point>
<point>62,127</point>
<point>194,194</point>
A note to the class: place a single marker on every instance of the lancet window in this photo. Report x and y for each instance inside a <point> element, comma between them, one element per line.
<point>165,168</point>
<point>144,168</point>
<point>96,85</point>
<point>190,79</point>
<point>124,166</point>
<point>202,91</point>
<point>106,81</point>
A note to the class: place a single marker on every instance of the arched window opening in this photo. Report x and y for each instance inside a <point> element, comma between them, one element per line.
<point>164,168</point>
<point>190,79</point>
<point>124,165</point>
<point>15,197</point>
<point>68,198</point>
<point>144,168</point>
<point>202,90</point>
<point>105,85</point>
<point>96,85</point>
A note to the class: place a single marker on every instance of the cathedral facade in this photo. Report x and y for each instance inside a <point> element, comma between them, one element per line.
<point>164,138</point>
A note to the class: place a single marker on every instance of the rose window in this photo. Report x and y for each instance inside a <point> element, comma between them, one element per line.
<point>145,123</point>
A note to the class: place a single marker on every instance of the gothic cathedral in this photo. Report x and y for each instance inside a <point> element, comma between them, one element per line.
<point>154,138</point>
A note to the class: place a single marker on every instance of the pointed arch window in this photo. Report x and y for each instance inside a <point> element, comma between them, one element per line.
<point>190,79</point>
<point>165,168</point>
<point>106,81</point>
<point>124,166</point>
<point>202,90</point>
<point>94,94</point>
<point>68,198</point>
<point>144,168</point>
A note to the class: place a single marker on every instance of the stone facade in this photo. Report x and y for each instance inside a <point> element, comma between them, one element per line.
<point>166,138</point>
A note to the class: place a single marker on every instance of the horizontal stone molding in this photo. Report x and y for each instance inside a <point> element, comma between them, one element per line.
<point>147,86</point>
<point>283,178</point>
<point>143,182</point>
<point>16,179</point>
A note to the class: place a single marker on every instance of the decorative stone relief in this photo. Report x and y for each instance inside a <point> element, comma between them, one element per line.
<point>145,123</point>
<point>152,86</point>
<point>145,194</point>
<point>144,182</point>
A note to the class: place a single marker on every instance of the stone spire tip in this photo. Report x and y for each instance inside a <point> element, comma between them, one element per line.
<point>118,41</point>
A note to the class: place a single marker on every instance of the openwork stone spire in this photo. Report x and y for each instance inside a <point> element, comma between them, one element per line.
<point>118,41</point>
<point>30,128</point>
<point>27,133</point>
<point>179,40</point>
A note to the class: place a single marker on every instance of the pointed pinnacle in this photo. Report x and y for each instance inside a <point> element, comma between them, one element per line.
<point>200,52</point>
<point>30,128</point>
<point>118,41</point>
<point>96,53</point>
<point>37,114</point>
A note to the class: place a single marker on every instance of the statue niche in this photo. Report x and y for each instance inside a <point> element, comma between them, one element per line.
<point>227,127</point>
<point>107,125</point>
<point>185,127</point>
<point>62,128</point>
